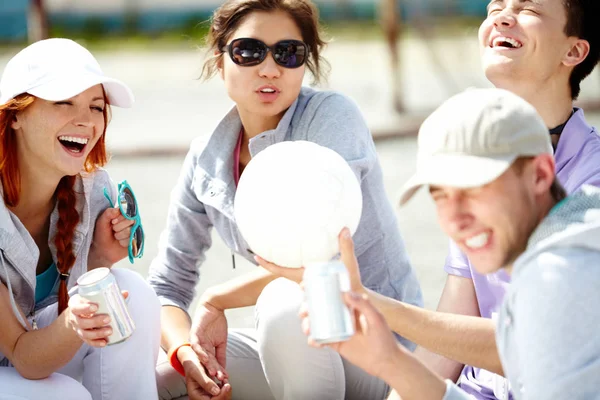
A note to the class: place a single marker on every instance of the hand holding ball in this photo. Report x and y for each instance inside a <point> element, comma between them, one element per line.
<point>292,201</point>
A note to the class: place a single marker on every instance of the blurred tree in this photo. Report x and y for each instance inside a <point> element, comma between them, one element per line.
<point>37,21</point>
<point>391,23</point>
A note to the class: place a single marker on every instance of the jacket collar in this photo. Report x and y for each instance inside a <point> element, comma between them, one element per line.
<point>214,182</point>
<point>19,246</point>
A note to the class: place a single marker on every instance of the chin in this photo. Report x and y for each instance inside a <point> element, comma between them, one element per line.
<point>485,265</point>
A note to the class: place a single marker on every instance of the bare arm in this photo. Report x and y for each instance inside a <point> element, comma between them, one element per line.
<point>458,297</point>
<point>239,292</point>
<point>467,339</point>
<point>36,353</point>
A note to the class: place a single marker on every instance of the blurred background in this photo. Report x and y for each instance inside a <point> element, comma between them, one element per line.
<point>398,59</point>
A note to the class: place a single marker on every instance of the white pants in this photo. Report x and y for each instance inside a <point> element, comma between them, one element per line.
<point>121,371</point>
<point>274,361</point>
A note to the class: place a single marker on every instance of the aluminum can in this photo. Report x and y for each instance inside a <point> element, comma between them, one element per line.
<point>330,318</point>
<point>100,286</point>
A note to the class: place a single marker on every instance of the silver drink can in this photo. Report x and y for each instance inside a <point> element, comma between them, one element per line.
<point>100,286</point>
<point>330,319</point>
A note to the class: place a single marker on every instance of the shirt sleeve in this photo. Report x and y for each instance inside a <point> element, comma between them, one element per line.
<point>555,317</point>
<point>174,272</point>
<point>457,262</point>
<point>453,392</point>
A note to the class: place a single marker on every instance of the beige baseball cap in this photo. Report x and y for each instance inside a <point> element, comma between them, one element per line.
<point>58,69</point>
<point>473,138</point>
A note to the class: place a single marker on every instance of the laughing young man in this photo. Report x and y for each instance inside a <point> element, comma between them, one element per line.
<point>540,50</point>
<point>488,161</point>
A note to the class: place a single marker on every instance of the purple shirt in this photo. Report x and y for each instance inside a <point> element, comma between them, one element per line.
<point>577,163</point>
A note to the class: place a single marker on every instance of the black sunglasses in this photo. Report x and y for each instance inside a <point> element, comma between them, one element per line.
<point>248,52</point>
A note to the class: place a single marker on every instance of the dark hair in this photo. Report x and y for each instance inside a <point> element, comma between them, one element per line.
<point>557,191</point>
<point>68,217</point>
<point>227,18</point>
<point>582,23</point>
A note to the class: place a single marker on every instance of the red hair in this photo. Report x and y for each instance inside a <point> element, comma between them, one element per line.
<point>65,194</point>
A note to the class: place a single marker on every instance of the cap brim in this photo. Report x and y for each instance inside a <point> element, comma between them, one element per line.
<point>65,87</point>
<point>457,171</point>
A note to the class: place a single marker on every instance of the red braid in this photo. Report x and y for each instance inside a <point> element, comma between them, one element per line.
<point>68,218</point>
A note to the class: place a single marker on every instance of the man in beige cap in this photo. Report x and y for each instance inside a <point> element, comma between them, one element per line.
<point>487,159</point>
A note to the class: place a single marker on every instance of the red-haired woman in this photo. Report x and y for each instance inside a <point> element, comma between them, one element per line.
<point>262,49</point>
<point>55,225</point>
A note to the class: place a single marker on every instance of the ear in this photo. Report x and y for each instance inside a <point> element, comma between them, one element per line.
<point>578,52</point>
<point>16,123</point>
<point>219,56</point>
<point>544,173</point>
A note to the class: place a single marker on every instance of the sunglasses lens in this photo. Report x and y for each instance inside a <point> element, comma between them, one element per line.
<point>128,203</point>
<point>290,53</point>
<point>138,241</point>
<point>248,51</point>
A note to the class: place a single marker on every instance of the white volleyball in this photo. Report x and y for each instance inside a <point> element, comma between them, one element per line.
<point>292,201</point>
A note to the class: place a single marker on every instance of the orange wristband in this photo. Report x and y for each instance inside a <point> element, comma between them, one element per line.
<point>174,361</point>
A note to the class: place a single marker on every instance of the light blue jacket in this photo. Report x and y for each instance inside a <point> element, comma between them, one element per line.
<point>203,198</point>
<point>547,331</point>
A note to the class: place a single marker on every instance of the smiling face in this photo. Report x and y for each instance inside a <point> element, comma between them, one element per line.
<point>492,224</point>
<point>525,40</point>
<point>57,137</point>
<point>265,90</point>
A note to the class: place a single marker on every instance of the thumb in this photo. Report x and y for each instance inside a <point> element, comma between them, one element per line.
<point>348,258</point>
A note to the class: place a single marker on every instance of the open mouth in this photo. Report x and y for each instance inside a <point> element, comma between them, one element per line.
<point>267,90</point>
<point>73,144</point>
<point>506,42</point>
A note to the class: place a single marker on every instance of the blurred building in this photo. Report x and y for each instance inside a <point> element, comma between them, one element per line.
<point>160,15</point>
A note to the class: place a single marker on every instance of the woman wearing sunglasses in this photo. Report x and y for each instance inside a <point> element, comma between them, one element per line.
<point>55,224</point>
<point>262,49</point>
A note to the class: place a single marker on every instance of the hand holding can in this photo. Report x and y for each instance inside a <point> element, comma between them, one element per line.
<point>99,313</point>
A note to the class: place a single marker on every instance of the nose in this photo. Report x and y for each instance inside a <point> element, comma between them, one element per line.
<point>83,117</point>
<point>269,68</point>
<point>454,216</point>
<point>504,19</point>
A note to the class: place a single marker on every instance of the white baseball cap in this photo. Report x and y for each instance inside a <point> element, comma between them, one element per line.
<point>473,138</point>
<point>58,69</point>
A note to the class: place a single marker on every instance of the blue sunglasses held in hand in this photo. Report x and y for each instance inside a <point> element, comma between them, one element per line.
<point>130,210</point>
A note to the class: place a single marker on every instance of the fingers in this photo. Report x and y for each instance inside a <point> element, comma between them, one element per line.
<point>272,268</point>
<point>121,223</point>
<point>364,307</point>
<point>201,381</point>
<point>213,367</point>
<point>293,274</point>
<point>82,307</point>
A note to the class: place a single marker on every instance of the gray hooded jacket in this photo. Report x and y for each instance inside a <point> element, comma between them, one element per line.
<point>19,254</point>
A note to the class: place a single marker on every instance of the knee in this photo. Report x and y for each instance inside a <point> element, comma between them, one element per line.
<point>141,293</point>
<point>68,388</point>
<point>142,302</point>
<point>276,315</point>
